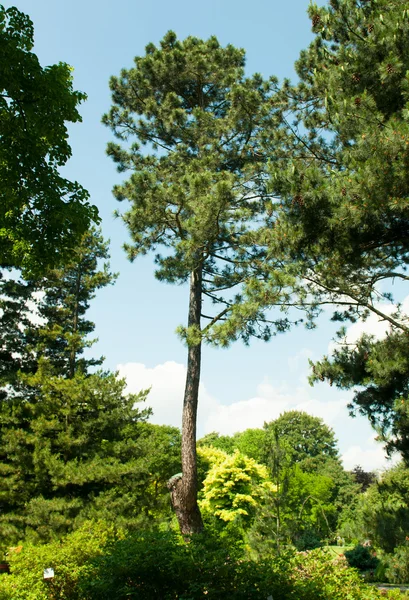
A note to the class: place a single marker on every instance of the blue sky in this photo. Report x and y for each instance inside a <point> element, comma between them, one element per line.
<point>136,319</point>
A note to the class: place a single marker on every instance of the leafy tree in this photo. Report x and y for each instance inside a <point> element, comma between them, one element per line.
<point>42,215</point>
<point>196,193</point>
<point>233,487</point>
<point>363,478</point>
<point>384,509</point>
<point>249,442</point>
<point>300,510</point>
<point>215,440</point>
<point>308,440</point>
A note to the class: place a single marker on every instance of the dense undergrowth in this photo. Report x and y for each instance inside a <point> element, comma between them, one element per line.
<point>98,562</point>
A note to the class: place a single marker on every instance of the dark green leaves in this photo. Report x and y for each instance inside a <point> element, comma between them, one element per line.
<point>42,214</point>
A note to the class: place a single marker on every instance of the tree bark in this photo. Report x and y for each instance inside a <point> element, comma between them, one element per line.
<point>183,487</point>
<point>73,351</point>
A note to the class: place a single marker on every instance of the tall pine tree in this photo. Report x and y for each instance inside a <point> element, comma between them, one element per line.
<point>196,192</point>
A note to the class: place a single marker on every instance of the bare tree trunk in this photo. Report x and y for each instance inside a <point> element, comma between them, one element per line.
<point>183,488</point>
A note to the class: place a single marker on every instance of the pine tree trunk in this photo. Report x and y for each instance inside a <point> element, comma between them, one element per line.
<point>73,351</point>
<point>183,489</point>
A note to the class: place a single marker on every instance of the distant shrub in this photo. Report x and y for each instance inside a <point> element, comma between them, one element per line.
<point>317,575</point>
<point>308,540</point>
<point>361,558</point>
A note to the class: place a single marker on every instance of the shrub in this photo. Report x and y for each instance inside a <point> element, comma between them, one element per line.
<point>160,565</point>
<point>317,575</point>
<point>361,558</point>
<point>95,563</point>
<point>69,558</point>
<point>397,565</point>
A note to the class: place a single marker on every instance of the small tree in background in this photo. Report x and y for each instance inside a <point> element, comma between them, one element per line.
<point>308,440</point>
<point>65,296</point>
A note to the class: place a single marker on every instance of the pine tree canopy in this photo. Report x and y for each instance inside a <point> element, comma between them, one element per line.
<point>339,170</point>
<point>191,129</point>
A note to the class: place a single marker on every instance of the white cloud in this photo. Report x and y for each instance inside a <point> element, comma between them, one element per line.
<point>166,396</point>
<point>371,457</point>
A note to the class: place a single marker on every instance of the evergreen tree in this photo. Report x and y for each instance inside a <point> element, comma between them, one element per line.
<point>69,450</point>
<point>197,193</point>
<point>46,317</point>
<point>73,445</point>
<point>339,225</point>
<point>67,292</point>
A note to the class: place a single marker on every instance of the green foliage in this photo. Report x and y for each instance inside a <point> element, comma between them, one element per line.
<point>68,452</point>
<point>385,509</point>
<point>66,295</point>
<point>96,563</point>
<point>45,317</point>
<point>319,576</point>
<point>249,442</point>
<point>356,190</point>
<point>379,368</point>
<point>233,487</point>
<point>299,512</point>
<point>336,228</point>
<point>42,215</point>
<point>15,354</point>
<point>215,440</point>
<point>308,441</point>
<point>193,194</point>
<point>69,558</point>
<point>396,565</point>
<point>161,566</point>
<point>361,558</point>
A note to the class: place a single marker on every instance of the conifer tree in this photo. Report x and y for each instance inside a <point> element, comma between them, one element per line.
<point>340,223</point>
<point>73,444</point>
<point>196,192</point>
<point>46,317</point>
<point>66,295</point>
